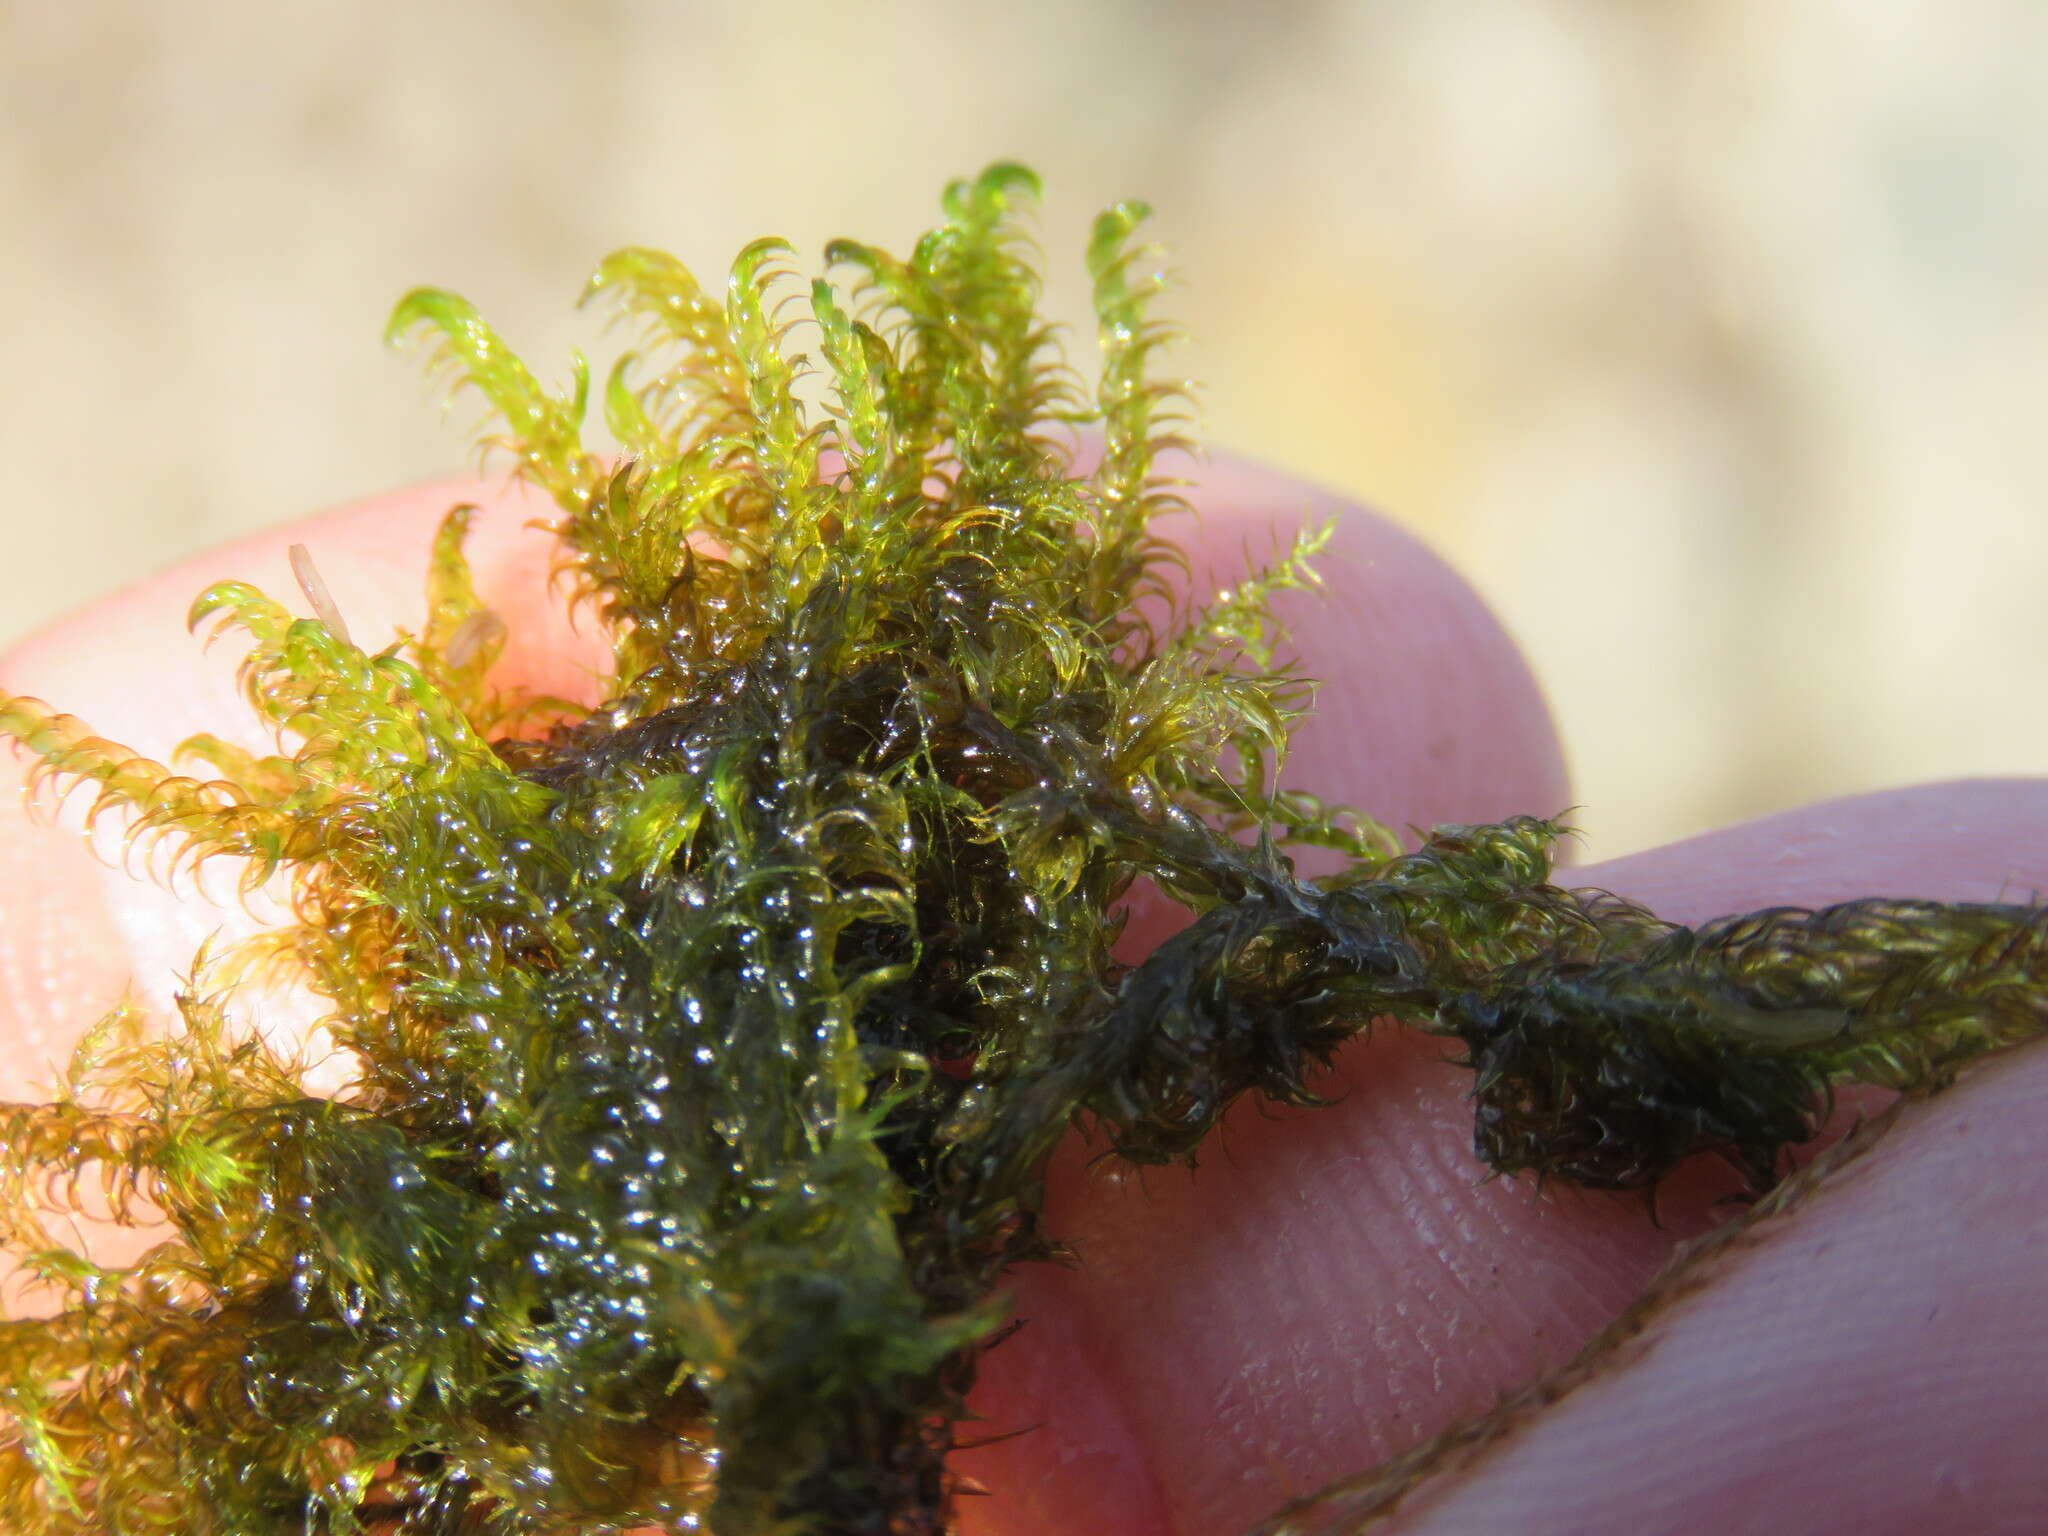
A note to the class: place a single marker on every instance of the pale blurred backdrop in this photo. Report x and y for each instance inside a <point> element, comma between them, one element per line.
<point>1709,336</point>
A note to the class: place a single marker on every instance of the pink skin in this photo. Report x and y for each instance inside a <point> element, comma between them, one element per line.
<point>1330,1286</point>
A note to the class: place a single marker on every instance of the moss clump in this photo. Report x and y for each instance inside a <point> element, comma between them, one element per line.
<point>709,1044</point>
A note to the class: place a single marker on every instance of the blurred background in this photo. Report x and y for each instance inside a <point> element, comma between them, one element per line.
<point>1710,337</point>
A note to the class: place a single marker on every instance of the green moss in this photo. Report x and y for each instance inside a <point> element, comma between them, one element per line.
<point>709,1044</point>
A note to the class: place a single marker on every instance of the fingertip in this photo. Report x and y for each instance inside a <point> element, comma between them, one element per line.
<point>77,934</point>
<point>1333,1286</point>
<point>1870,1360</point>
<point>124,663</point>
<point>1426,710</point>
<point>1955,840</point>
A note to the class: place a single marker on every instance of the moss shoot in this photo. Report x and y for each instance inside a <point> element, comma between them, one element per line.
<point>708,1044</point>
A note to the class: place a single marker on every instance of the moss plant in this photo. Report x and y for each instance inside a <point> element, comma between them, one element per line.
<point>709,1043</point>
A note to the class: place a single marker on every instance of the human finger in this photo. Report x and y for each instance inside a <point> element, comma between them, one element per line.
<point>1331,1287</point>
<point>1869,1359</point>
<point>80,931</point>
<point>1426,712</point>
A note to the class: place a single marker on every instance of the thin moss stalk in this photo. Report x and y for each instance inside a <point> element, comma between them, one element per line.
<point>709,1044</point>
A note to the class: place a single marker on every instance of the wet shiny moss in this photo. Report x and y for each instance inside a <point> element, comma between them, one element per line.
<point>709,1043</point>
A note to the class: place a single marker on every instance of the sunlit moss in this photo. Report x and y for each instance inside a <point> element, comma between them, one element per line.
<point>709,1044</point>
